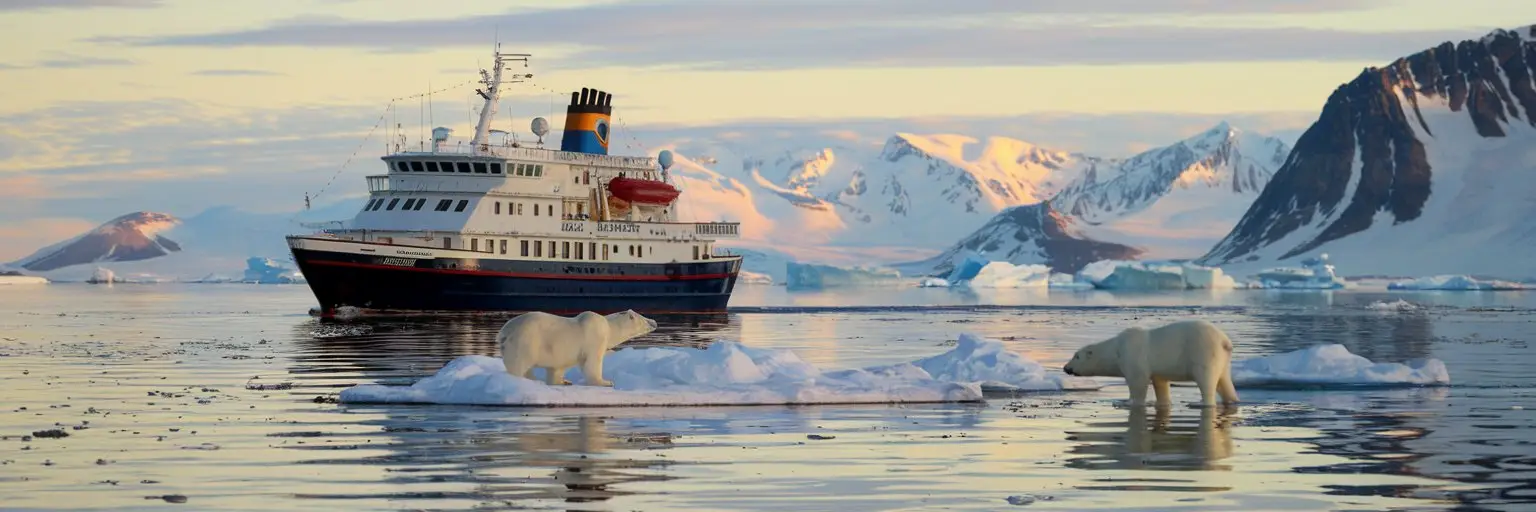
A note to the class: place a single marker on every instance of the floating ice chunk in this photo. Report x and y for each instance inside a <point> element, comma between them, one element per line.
<point>1396,305</point>
<point>990,364</point>
<point>729,373</point>
<point>1335,365</point>
<point>1459,283</point>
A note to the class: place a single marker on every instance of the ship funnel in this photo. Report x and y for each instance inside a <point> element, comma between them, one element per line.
<point>586,122</point>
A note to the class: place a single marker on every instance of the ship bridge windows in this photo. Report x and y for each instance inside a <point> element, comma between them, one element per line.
<point>462,204</point>
<point>416,166</point>
<point>495,167</point>
<point>525,170</point>
<point>443,204</point>
<point>432,167</point>
<point>463,166</point>
<point>392,203</point>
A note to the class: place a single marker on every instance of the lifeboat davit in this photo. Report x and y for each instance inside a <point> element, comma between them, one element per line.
<point>642,191</point>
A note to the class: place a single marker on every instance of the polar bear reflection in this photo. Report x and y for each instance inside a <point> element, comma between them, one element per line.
<point>1160,445</point>
<point>585,476</point>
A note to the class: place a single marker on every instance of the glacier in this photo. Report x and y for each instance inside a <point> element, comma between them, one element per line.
<point>819,276</point>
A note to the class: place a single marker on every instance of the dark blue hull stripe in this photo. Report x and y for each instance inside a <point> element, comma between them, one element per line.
<point>467,284</point>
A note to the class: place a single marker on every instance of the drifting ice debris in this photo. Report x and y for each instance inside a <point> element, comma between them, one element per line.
<point>1458,283</point>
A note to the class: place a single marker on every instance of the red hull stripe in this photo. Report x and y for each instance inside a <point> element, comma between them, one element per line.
<point>489,273</point>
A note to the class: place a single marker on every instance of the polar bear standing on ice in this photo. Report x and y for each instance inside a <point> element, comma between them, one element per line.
<point>1191,350</point>
<point>556,343</point>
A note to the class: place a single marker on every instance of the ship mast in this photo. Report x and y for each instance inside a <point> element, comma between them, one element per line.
<point>492,94</point>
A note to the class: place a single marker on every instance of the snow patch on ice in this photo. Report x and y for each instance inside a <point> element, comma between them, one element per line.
<point>1335,365</point>
<point>729,373</point>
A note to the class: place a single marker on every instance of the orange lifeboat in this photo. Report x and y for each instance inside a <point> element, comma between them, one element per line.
<point>634,190</point>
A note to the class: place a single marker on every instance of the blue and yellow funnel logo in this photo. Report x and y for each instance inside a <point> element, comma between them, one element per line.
<point>586,122</point>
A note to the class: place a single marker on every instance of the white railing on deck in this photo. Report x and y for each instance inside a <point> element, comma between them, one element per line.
<point>717,229</point>
<point>543,155</point>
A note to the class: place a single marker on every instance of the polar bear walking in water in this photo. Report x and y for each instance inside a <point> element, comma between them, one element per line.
<point>557,343</point>
<point>1191,350</point>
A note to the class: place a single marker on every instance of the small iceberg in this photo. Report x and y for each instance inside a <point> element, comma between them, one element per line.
<point>8,277</point>
<point>259,270</point>
<point>1457,283</point>
<point>729,373</point>
<point>1154,275</point>
<point>1315,274</point>
<point>1334,365</point>
<point>975,271</point>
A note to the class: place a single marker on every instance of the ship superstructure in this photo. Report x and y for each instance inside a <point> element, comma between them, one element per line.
<point>476,226</point>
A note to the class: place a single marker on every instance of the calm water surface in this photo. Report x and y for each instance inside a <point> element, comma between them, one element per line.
<point>204,397</point>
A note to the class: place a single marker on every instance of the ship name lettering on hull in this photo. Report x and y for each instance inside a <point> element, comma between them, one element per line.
<point>398,262</point>
<point>611,227</point>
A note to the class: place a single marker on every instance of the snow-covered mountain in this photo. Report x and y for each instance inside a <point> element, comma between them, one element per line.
<point>1175,201</point>
<point>1030,234</point>
<point>1425,166</point>
<point>217,241</point>
<point>1169,202</point>
<point>132,237</point>
<point>909,191</point>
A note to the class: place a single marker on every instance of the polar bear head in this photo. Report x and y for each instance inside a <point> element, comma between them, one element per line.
<point>627,325</point>
<point>1100,359</point>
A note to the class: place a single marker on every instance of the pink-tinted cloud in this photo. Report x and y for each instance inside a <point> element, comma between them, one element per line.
<point>752,34</point>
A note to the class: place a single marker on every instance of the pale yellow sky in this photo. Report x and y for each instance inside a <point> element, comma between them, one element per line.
<point>321,75</point>
<point>181,105</point>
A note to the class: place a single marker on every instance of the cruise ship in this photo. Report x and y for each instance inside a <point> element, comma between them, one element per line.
<point>476,226</point>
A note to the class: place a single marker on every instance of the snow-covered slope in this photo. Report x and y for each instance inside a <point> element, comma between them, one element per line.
<point>132,237</point>
<point>216,241</point>
<point>909,191</point>
<point>1178,200</point>
<point>1425,166</point>
<point>1031,234</point>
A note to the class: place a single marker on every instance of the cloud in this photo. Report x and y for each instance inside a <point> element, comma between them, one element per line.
<point>65,61</point>
<point>81,62</point>
<point>753,34</point>
<point>235,72</point>
<point>28,5</point>
<point>22,237</point>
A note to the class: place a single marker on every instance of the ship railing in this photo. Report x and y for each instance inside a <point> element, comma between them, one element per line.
<point>717,228</point>
<point>548,155</point>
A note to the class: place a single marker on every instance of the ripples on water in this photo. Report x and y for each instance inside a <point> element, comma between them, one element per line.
<point>218,395</point>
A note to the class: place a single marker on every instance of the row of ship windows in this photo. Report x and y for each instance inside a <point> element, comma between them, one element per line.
<point>413,204</point>
<point>515,169</point>
<point>566,250</point>
<point>587,251</point>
